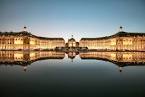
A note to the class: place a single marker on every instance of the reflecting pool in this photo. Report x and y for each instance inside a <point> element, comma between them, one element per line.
<point>72,74</point>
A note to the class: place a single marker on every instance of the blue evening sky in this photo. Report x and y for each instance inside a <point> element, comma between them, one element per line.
<point>82,18</point>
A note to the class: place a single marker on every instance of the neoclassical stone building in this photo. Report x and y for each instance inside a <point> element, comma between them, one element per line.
<point>72,43</point>
<point>27,41</point>
<point>121,41</point>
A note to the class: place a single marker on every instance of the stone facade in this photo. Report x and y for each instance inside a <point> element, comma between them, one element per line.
<point>72,43</point>
<point>121,41</point>
<point>26,41</point>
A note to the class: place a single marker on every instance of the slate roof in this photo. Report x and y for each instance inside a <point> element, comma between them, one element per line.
<point>24,33</point>
<point>119,34</point>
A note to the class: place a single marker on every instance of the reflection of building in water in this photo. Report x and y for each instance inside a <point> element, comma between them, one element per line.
<point>24,40</point>
<point>29,56</point>
<point>119,58</point>
<point>115,56</point>
<point>72,55</point>
<point>121,41</point>
<point>25,58</point>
